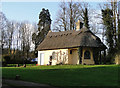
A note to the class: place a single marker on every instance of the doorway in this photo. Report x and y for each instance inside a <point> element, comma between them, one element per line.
<point>41,58</point>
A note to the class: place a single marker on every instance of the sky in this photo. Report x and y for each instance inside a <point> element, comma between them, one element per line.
<point>28,11</point>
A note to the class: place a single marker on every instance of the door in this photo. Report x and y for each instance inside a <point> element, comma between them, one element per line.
<point>74,54</point>
<point>41,58</point>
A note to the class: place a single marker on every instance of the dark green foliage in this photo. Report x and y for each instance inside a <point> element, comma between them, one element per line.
<point>107,16</point>
<point>6,58</point>
<point>119,30</point>
<point>118,40</point>
<point>43,28</point>
<point>85,18</point>
<point>44,18</point>
<point>16,57</point>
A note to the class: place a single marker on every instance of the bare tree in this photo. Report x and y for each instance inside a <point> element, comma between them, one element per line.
<point>34,40</point>
<point>26,39</point>
<point>18,36</point>
<point>10,32</point>
<point>62,18</point>
<point>3,27</point>
<point>68,14</point>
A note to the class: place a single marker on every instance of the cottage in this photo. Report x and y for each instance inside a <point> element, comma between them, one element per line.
<point>78,46</point>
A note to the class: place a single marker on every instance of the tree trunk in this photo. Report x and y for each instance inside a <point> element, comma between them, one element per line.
<point>104,56</point>
<point>100,58</point>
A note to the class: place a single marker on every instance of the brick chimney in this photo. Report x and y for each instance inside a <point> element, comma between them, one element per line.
<point>79,25</point>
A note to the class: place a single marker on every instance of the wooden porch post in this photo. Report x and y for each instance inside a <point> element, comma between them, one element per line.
<point>80,55</point>
<point>104,56</point>
<point>100,58</point>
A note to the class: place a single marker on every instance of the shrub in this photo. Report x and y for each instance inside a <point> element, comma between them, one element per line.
<point>6,58</point>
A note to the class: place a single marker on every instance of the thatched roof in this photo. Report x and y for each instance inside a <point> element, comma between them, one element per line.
<point>71,39</point>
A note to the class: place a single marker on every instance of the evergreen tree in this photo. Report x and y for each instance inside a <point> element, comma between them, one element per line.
<point>43,28</point>
<point>44,19</point>
<point>85,18</point>
<point>107,16</point>
<point>118,40</point>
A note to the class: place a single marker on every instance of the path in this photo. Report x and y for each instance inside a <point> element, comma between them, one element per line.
<point>23,84</point>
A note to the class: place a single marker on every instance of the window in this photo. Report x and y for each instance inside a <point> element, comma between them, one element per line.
<point>70,51</point>
<point>87,55</point>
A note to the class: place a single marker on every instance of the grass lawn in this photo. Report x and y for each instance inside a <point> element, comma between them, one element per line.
<point>67,75</point>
